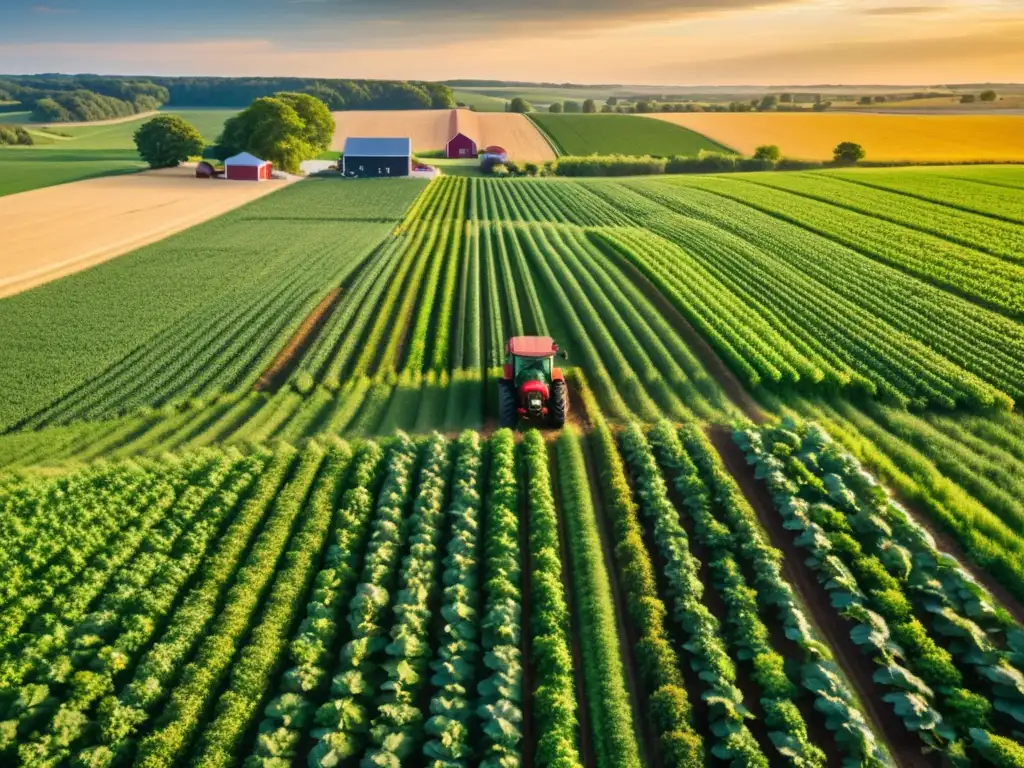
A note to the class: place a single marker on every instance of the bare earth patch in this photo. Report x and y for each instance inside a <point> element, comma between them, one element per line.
<point>56,231</point>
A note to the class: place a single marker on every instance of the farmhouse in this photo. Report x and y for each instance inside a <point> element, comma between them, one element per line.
<point>377,157</point>
<point>246,167</point>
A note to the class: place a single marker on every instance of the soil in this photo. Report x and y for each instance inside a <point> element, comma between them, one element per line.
<point>586,743</point>
<point>628,637</point>
<point>291,353</point>
<point>904,747</point>
<point>732,386</point>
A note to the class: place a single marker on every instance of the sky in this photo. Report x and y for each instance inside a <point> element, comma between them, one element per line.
<point>670,42</point>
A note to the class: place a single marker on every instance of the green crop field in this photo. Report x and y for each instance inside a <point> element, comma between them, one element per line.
<point>480,102</point>
<point>256,508</point>
<point>620,135</point>
<point>69,152</point>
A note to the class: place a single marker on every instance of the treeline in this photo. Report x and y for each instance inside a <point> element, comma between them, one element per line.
<point>338,94</point>
<point>72,98</point>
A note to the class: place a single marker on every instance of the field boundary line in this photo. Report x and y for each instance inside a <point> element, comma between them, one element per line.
<point>559,152</point>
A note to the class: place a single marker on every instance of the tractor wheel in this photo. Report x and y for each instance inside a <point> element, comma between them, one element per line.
<point>559,404</point>
<point>508,413</point>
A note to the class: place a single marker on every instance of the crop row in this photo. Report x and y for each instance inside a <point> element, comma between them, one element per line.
<point>764,315</point>
<point>946,657</point>
<point>199,313</point>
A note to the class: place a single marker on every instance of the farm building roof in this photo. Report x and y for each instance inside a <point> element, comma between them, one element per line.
<point>531,346</point>
<point>494,149</point>
<point>245,159</point>
<point>396,147</point>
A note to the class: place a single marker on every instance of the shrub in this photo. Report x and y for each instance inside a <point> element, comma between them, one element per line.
<point>768,152</point>
<point>15,135</point>
<point>848,153</point>
<point>609,165</point>
<point>168,140</point>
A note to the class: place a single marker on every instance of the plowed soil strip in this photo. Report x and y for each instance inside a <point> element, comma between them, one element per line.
<point>290,355</point>
<point>903,745</point>
<point>586,744</point>
<point>627,634</point>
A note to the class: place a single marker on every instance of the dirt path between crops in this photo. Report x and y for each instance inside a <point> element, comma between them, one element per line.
<point>529,740</point>
<point>582,713</point>
<point>732,386</point>
<point>288,358</point>
<point>626,629</point>
<point>903,745</point>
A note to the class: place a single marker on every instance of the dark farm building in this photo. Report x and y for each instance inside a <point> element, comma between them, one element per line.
<point>377,157</point>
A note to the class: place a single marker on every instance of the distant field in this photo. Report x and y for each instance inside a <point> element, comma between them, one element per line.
<point>428,128</point>
<point>14,117</point>
<point>481,102</point>
<point>620,134</point>
<point>22,169</point>
<point>245,279</point>
<point>514,133</point>
<point>69,152</point>
<point>108,217</point>
<point>920,138</point>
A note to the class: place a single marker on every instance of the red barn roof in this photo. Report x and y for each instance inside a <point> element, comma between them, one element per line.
<point>494,149</point>
<point>532,346</point>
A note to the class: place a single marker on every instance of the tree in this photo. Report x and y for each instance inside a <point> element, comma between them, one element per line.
<point>848,153</point>
<point>272,130</point>
<point>589,107</point>
<point>642,107</point>
<point>168,140</point>
<point>572,106</point>
<point>988,96</point>
<point>864,100</point>
<point>521,105</point>
<point>768,103</point>
<point>612,101</point>
<point>768,153</point>
<point>315,116</point>
<point>606,108</point>
<point>968,98</point>
<point>879,99</point>
<point>786,98</point>
<point>556,107</point>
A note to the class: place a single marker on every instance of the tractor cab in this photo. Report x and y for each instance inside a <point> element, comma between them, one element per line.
<point>532,387</point>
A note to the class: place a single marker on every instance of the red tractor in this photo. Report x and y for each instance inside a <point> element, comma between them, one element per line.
<point>532,387</point>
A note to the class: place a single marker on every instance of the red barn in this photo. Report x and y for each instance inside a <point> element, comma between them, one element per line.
<point>460,145</point>
<point>246,167</point>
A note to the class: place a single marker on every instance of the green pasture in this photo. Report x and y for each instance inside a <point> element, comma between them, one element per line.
<point>603,134</point>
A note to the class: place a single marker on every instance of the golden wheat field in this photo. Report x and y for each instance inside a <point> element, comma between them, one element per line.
<point>104,218</point>
<point>931,138</point>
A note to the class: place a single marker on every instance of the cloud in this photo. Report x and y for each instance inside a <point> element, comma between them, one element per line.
<point>50,10</point>
<point>974,55</point>
<point>901,10</point>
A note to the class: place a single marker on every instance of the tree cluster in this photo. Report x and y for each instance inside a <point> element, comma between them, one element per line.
<point>167,140</point>
<point>285,128</point>
<point>15,135</point>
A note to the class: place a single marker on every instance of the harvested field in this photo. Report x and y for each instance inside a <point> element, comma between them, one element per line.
<point>104,218</point>
<point>919,138</point>
<point>514,132</point>
<point>428,128</point>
